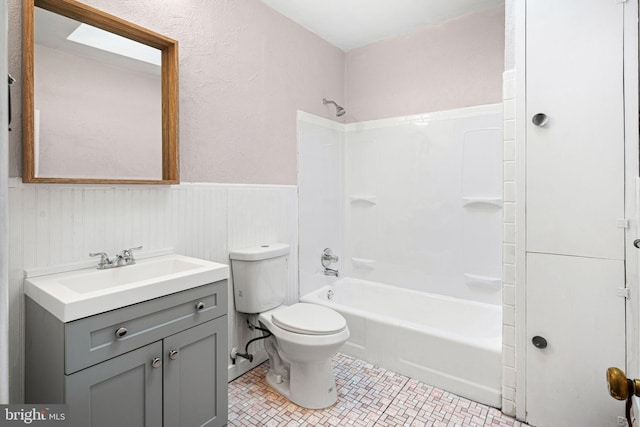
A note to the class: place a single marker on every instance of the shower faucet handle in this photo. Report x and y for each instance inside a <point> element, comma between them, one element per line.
<point>328,257</point>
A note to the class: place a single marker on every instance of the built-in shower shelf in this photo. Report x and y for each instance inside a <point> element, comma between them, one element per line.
<point>486,282</point>
<point>369,264</point>
<point>487,201</point>
<point>364,198</point>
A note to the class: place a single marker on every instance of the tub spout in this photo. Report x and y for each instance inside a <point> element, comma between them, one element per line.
<point>331,272</point>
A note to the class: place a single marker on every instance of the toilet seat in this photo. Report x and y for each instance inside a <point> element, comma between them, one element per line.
<point>309,319</point>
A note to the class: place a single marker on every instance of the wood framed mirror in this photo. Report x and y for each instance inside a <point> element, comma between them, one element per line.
<point>84,119</point>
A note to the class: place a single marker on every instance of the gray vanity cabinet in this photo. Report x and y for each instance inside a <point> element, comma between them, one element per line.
<point>195,376</point>
<point>158,363</point>
<point>124,391</point>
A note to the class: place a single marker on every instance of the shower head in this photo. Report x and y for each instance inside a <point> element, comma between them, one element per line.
<point>339,110</point>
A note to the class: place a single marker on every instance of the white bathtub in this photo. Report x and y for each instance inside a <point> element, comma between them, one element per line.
<point>450,343</point>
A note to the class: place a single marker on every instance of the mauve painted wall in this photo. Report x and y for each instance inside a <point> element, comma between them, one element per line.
<point>458,63</point>
<point>244,71</point>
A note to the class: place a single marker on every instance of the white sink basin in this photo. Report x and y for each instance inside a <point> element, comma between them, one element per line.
<point>81,293</point>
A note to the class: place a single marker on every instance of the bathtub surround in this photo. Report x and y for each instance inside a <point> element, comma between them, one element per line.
<point>423,202</point>
<point>411,201</point>
<point>55,224</point>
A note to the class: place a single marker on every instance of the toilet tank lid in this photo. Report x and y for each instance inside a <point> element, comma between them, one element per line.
<point>256,253</point>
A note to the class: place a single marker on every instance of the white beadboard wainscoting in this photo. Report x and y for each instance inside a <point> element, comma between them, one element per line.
<point>59,224</point>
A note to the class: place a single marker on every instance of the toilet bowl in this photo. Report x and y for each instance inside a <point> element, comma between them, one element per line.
<point>305,337</point>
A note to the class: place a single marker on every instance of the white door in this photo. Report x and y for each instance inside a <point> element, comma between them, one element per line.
<point>574,198</point>
<point>572,303</point>
<point>575,163</point>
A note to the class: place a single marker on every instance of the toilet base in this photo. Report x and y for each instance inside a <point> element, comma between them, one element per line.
<point>311,385</point>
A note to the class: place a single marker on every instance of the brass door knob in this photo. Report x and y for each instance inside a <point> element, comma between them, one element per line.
<point>620,386</point>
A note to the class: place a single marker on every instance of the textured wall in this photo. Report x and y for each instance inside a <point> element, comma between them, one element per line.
<point>458,63</point>
<point>244,71</point>
<point>509,35</point>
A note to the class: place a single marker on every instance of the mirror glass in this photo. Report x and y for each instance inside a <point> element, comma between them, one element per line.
<point>98,112</point>
<point>103,106</point>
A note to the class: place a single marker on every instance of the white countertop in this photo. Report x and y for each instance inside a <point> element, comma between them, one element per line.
<point>80,293</point>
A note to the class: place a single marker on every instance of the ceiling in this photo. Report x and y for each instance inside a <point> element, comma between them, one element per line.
<point>349,24</point>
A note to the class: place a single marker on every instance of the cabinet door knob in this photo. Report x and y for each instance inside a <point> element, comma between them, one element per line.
<point>539,342</point>
<point>200,306</point>
<point>173,354</point>
<point>156,362</point>
<point>540,119</point>
<point>120,332</point>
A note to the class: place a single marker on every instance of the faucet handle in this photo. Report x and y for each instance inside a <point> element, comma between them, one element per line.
<point>128,253</point>
<point>104,258</point>
<point>328,257</point>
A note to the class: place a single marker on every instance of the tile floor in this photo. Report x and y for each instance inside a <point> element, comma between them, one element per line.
<point>367,396</point>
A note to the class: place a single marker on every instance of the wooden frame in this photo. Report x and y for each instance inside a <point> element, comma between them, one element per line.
<point>86,14</point>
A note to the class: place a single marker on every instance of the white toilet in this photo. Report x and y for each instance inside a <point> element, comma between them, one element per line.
<point>305,336</point>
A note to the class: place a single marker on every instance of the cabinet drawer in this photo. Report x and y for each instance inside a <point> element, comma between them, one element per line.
<point>94,339</point>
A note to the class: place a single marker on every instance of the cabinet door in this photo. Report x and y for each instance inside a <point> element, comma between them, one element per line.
<point>575,162</point>
<point>195,376</point>
<point>123,391</point>
<point>572,303</point>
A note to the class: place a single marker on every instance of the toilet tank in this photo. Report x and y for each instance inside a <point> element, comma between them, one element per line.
<point>260,276</point>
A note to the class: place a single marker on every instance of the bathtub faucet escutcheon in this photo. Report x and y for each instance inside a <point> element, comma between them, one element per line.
<point>326,259</point>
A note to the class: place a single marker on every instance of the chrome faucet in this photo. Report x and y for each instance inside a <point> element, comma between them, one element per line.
<point>326,259</point>
<point>123,258</point>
